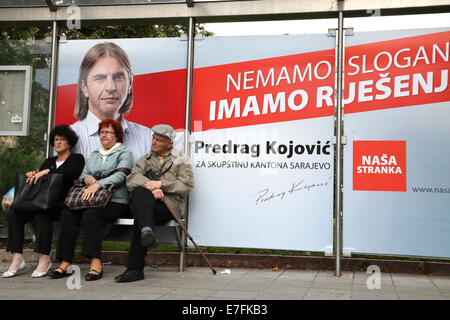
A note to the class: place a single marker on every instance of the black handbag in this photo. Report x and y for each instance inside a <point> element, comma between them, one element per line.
<point>43,195</point>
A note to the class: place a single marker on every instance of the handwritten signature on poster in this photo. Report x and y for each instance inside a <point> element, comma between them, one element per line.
<point>266,195</point>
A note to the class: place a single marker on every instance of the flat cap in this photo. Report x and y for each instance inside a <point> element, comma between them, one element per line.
<point>165,130</point>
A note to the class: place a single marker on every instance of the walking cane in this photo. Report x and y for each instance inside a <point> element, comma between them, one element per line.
<point>190,238</point>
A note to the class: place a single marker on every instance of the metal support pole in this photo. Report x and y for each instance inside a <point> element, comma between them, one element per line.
<point>189,85</point>
<point>338,166</point>
<point>53,73</point>
<point>188,121</point>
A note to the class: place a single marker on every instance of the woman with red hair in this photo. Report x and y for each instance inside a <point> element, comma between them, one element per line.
<point>105,167</point>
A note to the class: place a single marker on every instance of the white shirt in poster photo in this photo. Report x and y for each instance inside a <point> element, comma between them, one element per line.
<point>136,137</point>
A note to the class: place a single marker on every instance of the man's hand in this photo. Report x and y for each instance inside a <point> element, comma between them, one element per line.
<point>89,180</point>
<point>159,194</point>
<point>153,185</point>
<point>90,191</point>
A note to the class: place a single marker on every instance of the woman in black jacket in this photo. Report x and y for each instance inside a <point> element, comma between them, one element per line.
<point>62,138</point>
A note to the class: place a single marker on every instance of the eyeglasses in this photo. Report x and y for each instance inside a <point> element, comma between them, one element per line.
<point>106,132</point>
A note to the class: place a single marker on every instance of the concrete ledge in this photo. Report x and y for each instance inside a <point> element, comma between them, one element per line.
<point>261,261</point>
<point>397,266</point>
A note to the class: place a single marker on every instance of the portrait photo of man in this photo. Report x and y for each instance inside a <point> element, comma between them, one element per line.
<point>105,90</point>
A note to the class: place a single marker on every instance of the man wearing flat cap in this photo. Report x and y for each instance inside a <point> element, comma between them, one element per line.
<point>158,184</point>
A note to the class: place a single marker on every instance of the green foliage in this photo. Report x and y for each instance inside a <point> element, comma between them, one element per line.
<point>131,31</point>
<point>124,31</point>
<point>14,160</point>
<point>103,32</point>
<point>23,33</point>
<point>34,142</point>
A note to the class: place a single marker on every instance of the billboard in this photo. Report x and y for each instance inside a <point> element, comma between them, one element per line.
<point>262,135</point>
<point>396,177</point>
<point>261,146</point>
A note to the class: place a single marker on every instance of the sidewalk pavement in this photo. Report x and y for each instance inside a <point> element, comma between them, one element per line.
<point>166,283</point>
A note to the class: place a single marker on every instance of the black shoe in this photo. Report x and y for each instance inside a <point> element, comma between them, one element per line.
<point>93,276</point>
<point>148,239</point>
<point>130,275</point>
<point>57,275</point>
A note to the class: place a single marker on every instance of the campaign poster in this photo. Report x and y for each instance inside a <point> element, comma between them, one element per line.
<point>396,196</point>
<point>158,72</point>
<point>262,142</point>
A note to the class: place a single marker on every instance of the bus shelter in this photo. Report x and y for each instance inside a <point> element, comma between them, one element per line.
<point>334,141</point>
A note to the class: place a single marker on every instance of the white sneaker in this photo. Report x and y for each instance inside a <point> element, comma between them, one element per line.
<point>12,273</point>
<point>37,274</point>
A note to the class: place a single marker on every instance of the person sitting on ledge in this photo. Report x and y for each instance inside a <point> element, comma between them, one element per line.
<point>106,167</point>
<point>159,185</point>
<point>70,165</point>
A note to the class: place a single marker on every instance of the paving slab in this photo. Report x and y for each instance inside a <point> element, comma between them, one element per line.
<point>446,293</point>
<point>374,294</point>
<point>295,275</point>
<point>235,294</point>
<point>277,294</point>
<point>289,285</point>
<point>267,295</point>
<point>327,294</point>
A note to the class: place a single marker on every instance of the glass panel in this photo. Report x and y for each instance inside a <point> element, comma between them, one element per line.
<point>15,84</point>
<point>158,67</point>
<point>255,98</point>
<point>22,3</point>
<point>25,153</point>
<point>397,105</point>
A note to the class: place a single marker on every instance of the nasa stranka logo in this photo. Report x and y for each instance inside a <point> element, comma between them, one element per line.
<point>379,165</point>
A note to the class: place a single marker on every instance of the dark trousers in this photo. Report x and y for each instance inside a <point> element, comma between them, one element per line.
<point>42,225</point>
<point>92,221</point>
<point>147,211</point>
